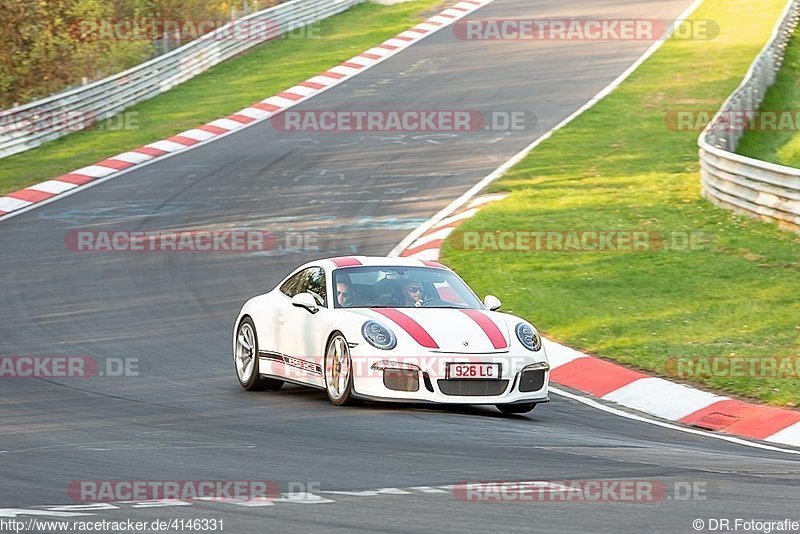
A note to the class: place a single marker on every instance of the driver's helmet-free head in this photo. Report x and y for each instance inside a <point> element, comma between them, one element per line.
<point>344,291</point>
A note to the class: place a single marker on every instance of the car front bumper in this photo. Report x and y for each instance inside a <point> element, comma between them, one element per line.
<point>524,378</point>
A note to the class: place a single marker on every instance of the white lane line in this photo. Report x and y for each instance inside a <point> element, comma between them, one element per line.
<point>608,409</point>
<point>502,169</point>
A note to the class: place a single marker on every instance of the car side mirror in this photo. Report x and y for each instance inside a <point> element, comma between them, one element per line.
<point>492,303</point>
<point>305,300</point>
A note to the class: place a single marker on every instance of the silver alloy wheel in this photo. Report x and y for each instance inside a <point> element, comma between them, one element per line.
<point>245,353</point>
<point>337,368</point>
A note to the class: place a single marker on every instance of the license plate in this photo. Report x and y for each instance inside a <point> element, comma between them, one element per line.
<point>462,371</point>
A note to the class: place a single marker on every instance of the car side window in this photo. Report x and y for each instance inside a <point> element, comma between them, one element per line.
<point>315,284</point>
<point>293,285</point>
<point>311,280</point>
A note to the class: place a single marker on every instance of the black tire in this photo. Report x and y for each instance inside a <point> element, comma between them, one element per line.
<point>516,408</point>
<point>249,378</point>
<point>342,394</point>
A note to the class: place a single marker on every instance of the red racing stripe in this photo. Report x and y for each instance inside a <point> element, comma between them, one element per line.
<point>489,328</point>
<point>413,328</point>
<point>346,262</point>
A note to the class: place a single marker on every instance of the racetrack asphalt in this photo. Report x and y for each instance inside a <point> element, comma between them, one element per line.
<point>185,418</point>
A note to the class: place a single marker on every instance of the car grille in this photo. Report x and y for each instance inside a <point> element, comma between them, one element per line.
<point>401,380</point>
<point>472,388</point>
<point>531,380</point>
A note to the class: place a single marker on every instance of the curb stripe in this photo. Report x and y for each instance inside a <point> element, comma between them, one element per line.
<point>75,178</point>
<point>594,376</point>
<point>250,114</point>
<point>751,420</point>
<point>238,117</point>
<point>53,186</point>
<point>312,85</point>
<point>270,108</point>
<point>150,151</point>
<point>115,164</point>
<point>437,244</point>
<point>789,435</point>
<point>8,203</point>
<point>30,195</point>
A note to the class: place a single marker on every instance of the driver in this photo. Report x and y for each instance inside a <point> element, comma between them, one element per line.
<point>412,293</point>
<point>344,293</point>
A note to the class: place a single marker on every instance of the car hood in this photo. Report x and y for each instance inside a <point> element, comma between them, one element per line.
<point>448,330</point>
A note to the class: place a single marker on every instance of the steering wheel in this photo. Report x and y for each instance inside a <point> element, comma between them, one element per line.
<point>433,301</point>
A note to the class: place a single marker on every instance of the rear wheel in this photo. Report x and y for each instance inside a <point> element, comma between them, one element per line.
<point>339,371</point>
<point>516,408</point>
<point>245,358</point>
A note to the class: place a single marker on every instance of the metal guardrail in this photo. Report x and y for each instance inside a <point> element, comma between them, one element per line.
<point>746,185</point>
<point>28,126</point>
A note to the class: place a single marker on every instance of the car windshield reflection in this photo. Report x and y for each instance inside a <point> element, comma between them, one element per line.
<point>401,287</point>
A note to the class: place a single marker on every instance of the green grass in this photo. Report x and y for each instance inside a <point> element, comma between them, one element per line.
<point>220,91</point>
<point>619,167</point>
<point>781,147</point>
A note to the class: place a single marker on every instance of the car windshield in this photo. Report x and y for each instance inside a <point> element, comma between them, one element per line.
<point>401,287</point>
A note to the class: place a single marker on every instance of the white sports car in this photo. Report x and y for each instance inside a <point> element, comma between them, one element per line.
<point>389,329</point>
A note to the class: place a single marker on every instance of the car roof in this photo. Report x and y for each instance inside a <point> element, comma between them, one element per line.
<point>343,262</point>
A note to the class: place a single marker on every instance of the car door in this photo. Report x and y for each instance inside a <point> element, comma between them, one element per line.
<point>299,330</point>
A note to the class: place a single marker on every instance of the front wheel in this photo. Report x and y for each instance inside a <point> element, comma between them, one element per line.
<point>516,408</point>
<point>339,371</point>
<point>245,358</point>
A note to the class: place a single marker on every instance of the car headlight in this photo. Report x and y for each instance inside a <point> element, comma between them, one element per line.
<point>378,335</point>
<point>529,337</point>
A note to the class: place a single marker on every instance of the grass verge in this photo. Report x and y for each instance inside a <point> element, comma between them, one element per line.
<point>220,91</point>
<point>781,147</point>
<point>619,167</point>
